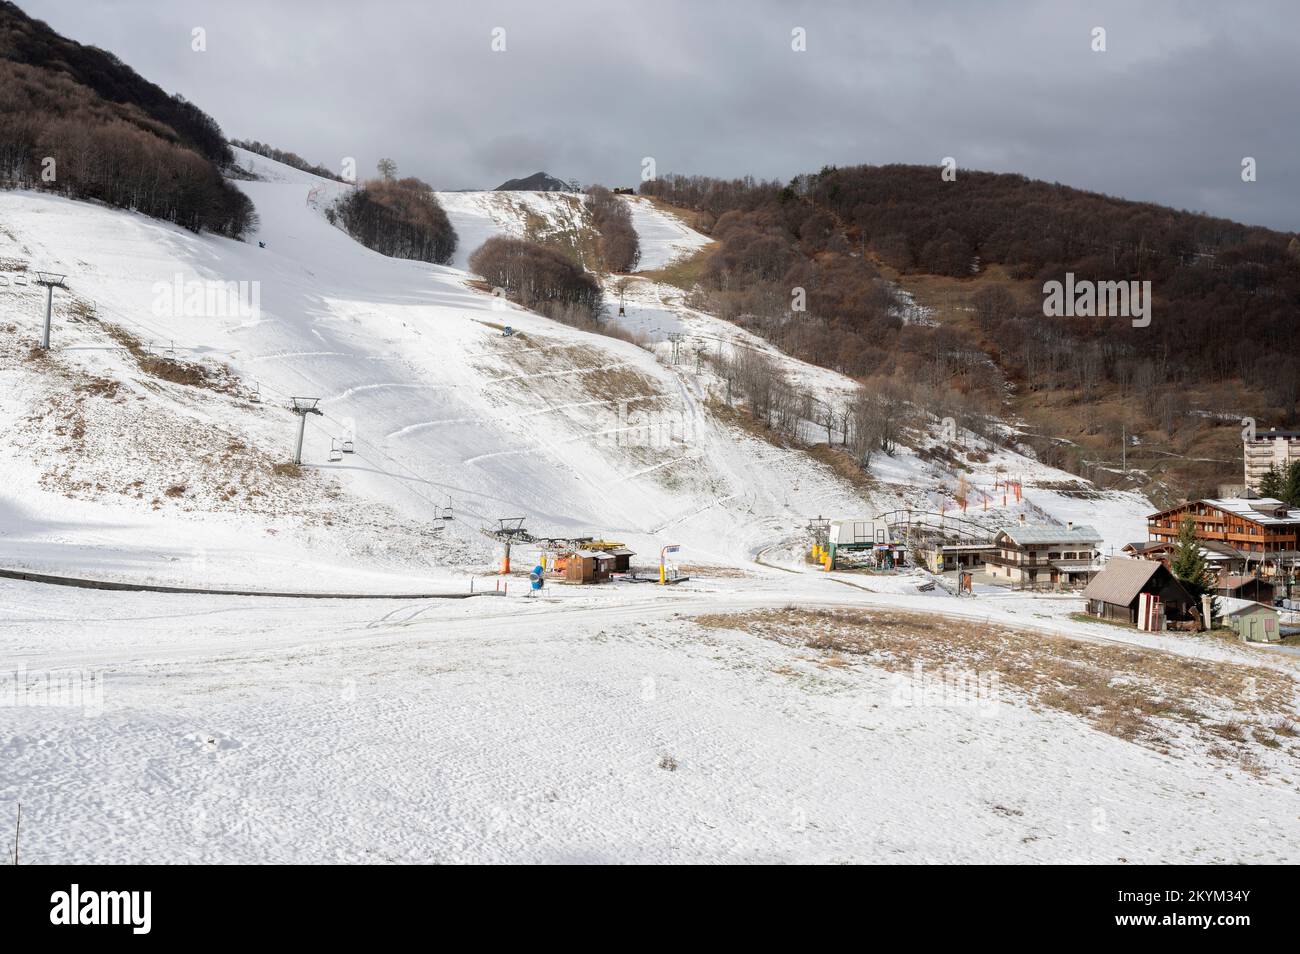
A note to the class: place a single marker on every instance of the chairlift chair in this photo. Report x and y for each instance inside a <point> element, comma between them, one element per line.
<point>347,448</point>
<point>336,452</point>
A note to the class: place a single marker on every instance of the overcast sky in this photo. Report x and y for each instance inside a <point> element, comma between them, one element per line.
<point>584,90</point>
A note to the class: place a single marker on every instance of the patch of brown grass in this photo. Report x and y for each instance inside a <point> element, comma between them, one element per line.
<point>739,417</point>
<point>172,370</point>
<point>843,464</point>
<point>1141,695</point>
<point>684,273</point>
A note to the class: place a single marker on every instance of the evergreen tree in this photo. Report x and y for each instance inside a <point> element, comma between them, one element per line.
<point>1270,485</point>
<point>1189,565</point>
<point>1289,492</point>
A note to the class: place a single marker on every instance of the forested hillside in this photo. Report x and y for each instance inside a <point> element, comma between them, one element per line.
<point>76,120</point>
<point>971,257</point>
<point>1212,277</point>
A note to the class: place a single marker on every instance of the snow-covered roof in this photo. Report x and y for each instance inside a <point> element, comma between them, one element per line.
<point>1258,509</point>
<point>1138,546</point>
<point>1212,550</point>
<point>1231,605</point>
<point>1049,533</point>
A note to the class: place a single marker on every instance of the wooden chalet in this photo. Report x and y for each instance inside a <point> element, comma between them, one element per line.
<point>1114,592</point>
<point>1035,554</point>
<point>1260,528</point>
<point>1223,559</point>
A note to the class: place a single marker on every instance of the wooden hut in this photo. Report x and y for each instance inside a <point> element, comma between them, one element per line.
<point>1114,592</point>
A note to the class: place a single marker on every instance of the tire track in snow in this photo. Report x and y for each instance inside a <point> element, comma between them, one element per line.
<point>538,447</point>
<point>397,385</point>
<point>324,354</point>
<point>484,420</point>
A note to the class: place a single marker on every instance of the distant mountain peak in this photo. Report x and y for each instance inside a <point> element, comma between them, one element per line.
<point>537,182</point>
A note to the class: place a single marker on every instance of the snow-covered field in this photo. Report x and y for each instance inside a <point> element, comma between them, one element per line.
<point>592,724</point>
<point>588,727</point>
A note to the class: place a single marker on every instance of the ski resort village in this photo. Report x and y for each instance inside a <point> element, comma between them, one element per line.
<point>349,517</point>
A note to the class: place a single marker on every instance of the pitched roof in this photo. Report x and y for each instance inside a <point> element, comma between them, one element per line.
<point>1257,509</point>
<point>1231,606</point>
<point>1214,548</point>
<point>1122,580</point>
<point>1235,580</point>
<point>1048,533</point>
<point>1139,546</point>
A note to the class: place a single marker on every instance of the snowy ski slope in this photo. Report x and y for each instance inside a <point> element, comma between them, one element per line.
<point>410,364</point>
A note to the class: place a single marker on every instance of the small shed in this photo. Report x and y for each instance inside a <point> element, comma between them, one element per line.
<point>1113,593</point>
<point>585,566</point>
<point>622,558</point>
<point>1253,622</point>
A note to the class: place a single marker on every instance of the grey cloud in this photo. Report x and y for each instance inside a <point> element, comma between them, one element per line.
<point>586,89</point>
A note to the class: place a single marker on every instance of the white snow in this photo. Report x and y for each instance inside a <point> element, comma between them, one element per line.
<point>590,724</point>
<point>238,730</point>
<point>478,216</point>
<point>663,237</point>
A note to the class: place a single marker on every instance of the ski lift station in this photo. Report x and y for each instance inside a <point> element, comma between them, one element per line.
<point>863,543</point>
<point>889,540</point>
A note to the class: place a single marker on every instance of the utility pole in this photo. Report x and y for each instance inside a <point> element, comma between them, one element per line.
<point>302,407</point>
<point>51,281</point>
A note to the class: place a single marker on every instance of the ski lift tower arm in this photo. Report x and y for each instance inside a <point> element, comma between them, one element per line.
<point>302,406</point>
<point>51,281</point>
